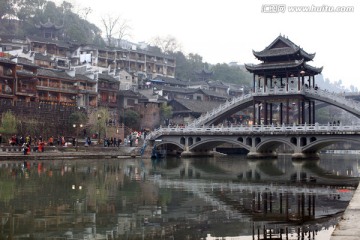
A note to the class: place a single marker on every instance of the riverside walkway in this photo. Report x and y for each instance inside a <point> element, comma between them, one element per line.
<point>348,227</point>
<point>52,153</point>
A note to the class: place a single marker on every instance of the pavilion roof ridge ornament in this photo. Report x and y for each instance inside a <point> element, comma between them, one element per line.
<point>49,24</point>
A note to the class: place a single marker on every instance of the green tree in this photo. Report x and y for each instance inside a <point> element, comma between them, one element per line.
<point>183,69</point>
<point>165,113</point>
<point>102,116</point>
<point>8,123</point>
<point>7,7</point>
<point>132,119</point>
<point>78,118</point>
<point>28,125</point>
<point>231,74</point>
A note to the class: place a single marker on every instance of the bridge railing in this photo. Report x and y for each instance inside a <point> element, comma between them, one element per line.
<point>265,129</point>
<point>217,110</point>
<point>333,97</point>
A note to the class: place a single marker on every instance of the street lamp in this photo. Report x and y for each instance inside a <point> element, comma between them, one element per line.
<point>77,134</point>
<point>98,117</point>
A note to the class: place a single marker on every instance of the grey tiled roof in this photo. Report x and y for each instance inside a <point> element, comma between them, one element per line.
<point>26,62</point>
<point>24,73</point>
<point>218,84</point>
<point>172,81</point>
<point>49,41</point>
<point>215,94</point>
<point>289,48</point>
<point>7,61</point>
<point>84,78</point>
<point>54,74</point>
<point>193,83</point>
<point>106,77</point>
<point>42,57</point>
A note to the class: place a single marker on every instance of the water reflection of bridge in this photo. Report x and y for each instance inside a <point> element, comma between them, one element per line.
<point>294,203</point>
<point>282,169</point>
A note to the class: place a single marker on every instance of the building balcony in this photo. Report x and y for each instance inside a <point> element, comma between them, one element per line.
<point>106,89</point>
<point>88,91</point>
<point>26,92</point>
<point>48,99</point>
<point>108,104</point>
<point>56,89</point>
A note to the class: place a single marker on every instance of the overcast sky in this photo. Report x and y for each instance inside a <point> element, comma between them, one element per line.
<point>228,30</point>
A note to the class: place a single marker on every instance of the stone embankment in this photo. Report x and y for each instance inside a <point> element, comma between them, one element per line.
<point>53,153</point>
<point>348,227</point>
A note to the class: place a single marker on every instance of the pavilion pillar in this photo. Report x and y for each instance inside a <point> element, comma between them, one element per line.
<point>313,78</point>
<point>309,205</point>
<point>313,205</point>
<point>281,113</point>
<point>298,83</point>
<point>254,112</point>
<point>271,113</point>
<point>299,111</point>
<point>265,84</point>
<point>302,80</point>
<point>281,202</point>
<point>253,81</point>
<point>302,205</point>
<point>303,111</point>
<point>287,205</point>
<point>287,83</point>
<point>265,109</point>
<point>313,111</point>
<point>253,201</point>
<point>259,114</point>
<point>287,111</point>
<point>310,112</point>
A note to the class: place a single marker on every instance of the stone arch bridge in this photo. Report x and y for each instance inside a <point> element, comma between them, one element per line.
<point>260,141</point>
<point>201,136</point>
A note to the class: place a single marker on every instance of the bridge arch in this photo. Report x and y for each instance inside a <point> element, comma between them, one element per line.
<point>316,146</point>
<point>169,143</point>
<point>273,144</point>
<point>212,143</point>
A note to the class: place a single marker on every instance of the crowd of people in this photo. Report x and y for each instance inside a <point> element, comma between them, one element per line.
<point>33,143</point>
<point>28,142</point>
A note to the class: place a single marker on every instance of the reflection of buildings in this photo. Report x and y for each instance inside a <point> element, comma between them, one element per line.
<point>115,198</point>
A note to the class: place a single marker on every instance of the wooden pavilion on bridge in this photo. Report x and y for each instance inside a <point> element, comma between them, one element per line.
<point>284,67</point>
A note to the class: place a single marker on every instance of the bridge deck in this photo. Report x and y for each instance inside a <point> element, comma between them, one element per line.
<point>263,129</point>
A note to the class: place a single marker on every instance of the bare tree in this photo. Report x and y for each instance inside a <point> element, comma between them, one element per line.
<point>115,27</point>
<point>85,12</point>
<point>168,44</point>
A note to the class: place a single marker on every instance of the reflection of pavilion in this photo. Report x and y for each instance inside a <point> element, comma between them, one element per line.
<point>269,207</point>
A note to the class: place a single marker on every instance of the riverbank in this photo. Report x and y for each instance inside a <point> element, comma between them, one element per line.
<point>348,228</point>
<point>54,153</point>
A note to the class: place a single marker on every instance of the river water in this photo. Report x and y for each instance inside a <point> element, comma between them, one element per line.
<point>205,198</point>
